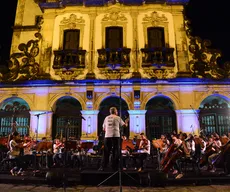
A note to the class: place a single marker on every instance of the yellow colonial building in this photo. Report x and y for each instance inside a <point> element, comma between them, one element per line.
<point>71,60</point>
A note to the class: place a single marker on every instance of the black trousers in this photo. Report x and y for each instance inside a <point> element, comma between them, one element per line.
<point>111,144</point>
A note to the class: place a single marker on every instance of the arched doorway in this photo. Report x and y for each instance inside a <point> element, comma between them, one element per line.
<point>214,115</point>
<point>14,111</point>
<point>104,111</point>
<point>67,119</point>
<point>160,117</point>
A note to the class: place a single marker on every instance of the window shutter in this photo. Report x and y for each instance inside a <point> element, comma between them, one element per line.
<point>114,37</point>
<point>71,39</point>
<point>156,37</point>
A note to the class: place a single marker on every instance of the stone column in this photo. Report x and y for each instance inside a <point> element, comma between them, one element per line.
<point>89,124</point>
<point>136,122</point>
<point>40,124</point>
<point>181,44</point>
<point>47,40</point>
<point>187,121</point>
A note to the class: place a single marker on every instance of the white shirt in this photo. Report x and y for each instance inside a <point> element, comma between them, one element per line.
<point>112,125</point>
<point>146,147</point>
<point>14,151</point>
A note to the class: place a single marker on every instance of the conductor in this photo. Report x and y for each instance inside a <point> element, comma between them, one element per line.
<point>111,126</point>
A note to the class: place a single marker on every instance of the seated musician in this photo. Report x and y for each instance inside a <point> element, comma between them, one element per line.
<point>76,157</point>
<point>127,147</point>
<point>144,150</point>
<point>164,147</point>
<point>216,147</point>
<point>28,156</point>
<point>14,153</point>
<point>57,152</point>
<point>185,148</point>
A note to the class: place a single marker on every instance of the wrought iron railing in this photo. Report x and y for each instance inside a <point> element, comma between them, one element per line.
<point>69,59</point>
<point>158,57</point>
<point>120,56</point>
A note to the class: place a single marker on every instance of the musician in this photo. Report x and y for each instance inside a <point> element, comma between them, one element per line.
<point>127,147</point>
<point>111,126</point>
<point>14,153</point>
<point>57,152</point>
<point>185,148</point>
<point>144,150</point>
<point>216,146</point>
<point>165,146</point>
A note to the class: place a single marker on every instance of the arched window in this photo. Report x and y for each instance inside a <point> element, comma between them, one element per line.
<point>104,111</point>
<point>160,117</point>
<point>214,115</point>
<point>14,115</point>
<point>67,119</point>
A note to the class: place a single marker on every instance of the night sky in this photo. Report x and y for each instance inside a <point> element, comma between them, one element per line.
<point>210,20</point>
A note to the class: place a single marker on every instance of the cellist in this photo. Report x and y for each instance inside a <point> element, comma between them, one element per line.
<point>186,149</point>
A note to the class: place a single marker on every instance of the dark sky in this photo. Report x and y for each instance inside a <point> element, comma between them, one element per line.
<point>210,20</point>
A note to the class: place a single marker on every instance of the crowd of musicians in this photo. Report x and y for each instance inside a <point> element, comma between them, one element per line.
<point>172,150</point>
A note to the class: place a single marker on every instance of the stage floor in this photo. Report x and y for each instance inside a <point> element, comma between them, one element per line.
<point>92,177</point>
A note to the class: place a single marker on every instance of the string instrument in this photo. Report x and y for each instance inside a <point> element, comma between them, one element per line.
<point>158,144</point>
<point>224,150</point>
<point>168,154</point>
<point>127,145</point>
<point>198,142</point>
<point>44,146</point>
<point>209,151</point>
<point>176,152</point>
<point>87,145</point>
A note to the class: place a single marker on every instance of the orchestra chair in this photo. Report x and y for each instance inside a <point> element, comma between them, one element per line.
<point>7,164</point>
<point>190,162</point>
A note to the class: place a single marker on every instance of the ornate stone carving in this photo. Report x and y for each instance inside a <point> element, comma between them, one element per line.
<point>155,19</point>
<point>22,65</point>
<point>161,73</point>
<point>68,74</point>
<point>72,21</point>
<point>115,17</point>
<point>204,60</point>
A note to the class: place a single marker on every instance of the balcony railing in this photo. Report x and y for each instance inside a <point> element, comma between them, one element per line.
<point>120,56</point>
<point>69,59</point>
<point>158,57</point>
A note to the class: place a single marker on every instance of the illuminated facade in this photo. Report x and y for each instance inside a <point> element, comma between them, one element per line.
<point>73,59</point>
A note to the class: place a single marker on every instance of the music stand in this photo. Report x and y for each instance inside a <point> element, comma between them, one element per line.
<point>120,170</point>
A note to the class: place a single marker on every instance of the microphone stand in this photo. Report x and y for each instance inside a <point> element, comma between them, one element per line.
<point>36,131</point>
<point>200,123</point>
<point>120,169</point>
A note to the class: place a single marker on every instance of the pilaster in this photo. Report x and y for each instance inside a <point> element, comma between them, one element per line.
<point>89,124</point>
<point>136,122</point>
<point>187,121</point>
<point>41,124</point>
<point>181,45</point>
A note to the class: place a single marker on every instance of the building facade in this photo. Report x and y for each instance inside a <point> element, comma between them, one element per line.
<point>71,60</point>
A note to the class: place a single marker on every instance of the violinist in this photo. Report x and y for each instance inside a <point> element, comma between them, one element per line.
<point>57,152</point>
<point>144,150</point>
<point>165,146</point>
<point>14,153</point>
<point>185,148</point>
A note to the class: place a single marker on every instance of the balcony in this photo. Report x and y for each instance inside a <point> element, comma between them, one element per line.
<point>68,59</point>
<point>157,57</point>
<point>114,57</point>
